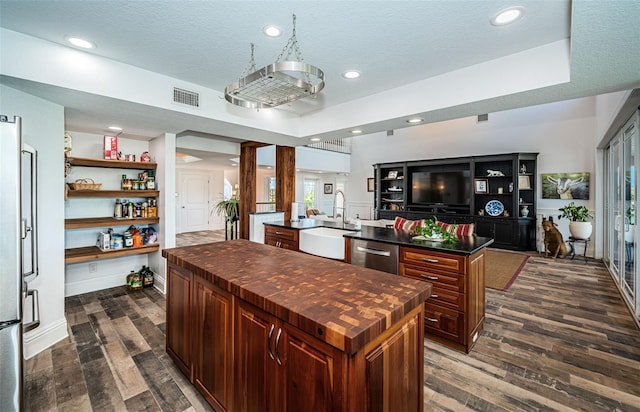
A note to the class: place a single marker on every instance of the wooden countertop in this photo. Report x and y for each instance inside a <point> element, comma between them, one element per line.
<point>341,304</point>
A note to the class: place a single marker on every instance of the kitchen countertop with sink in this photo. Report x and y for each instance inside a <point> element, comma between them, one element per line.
<point>466,245</point>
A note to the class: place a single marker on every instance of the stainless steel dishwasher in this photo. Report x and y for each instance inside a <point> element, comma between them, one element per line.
<point>375,255</point>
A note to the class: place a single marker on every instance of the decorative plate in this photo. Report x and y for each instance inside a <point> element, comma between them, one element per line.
<point>494,208</point>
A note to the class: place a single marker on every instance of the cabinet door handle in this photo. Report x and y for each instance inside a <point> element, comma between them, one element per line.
<point>433,320</point>
<point>269,341</point>
<point>278,233</point>
<point>277,344</point>
<point>434,296</point>
<point>429,277</point>
<point>430,260</point>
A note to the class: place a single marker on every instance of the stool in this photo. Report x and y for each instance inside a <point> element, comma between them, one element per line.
<point>573,242</point>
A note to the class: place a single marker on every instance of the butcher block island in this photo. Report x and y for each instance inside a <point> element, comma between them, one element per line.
<point>259,328</point>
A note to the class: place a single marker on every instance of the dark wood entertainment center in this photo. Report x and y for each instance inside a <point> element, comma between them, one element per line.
<point>505,181</point>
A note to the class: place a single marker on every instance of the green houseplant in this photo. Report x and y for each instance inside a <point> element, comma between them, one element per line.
<point>227,208</point>
<point>575,213</point>
<point>579,216</point>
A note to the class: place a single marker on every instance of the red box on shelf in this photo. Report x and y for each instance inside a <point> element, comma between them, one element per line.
<point>111,147</point>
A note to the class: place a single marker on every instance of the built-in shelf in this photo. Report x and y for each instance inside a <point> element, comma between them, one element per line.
<point>87,222</point>
<point>87,253</point>
<point>113,193</point>
<point>117,164</point>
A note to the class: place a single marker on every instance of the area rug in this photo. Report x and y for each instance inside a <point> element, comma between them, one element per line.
<point>502,268</point>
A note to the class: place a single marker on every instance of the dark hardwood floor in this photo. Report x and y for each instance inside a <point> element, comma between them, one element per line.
<point>560,339</point>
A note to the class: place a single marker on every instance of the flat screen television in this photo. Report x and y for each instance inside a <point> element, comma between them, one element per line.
<point>449,188</point>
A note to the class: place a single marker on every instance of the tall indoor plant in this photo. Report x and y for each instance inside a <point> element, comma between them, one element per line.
<point>579,216</point>
<point>229,209</point>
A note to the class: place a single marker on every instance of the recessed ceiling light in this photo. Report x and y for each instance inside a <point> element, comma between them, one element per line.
<point>415,120</point>
<point>115,128</point>
<point>315,139</point>
<point>351,74</point>
<point>82,43</point>
<point>272,31</point>
<point>356,131</point>
<point>507,16</point>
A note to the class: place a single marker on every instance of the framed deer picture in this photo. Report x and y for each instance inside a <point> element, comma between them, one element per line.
<point>565,185</point>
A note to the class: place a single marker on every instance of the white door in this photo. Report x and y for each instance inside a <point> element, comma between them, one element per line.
<point>194,202</point>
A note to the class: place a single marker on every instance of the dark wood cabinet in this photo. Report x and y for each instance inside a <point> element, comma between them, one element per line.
<point>384,391</point>
<point>212,348</point>
<point>179,317</point>
<point>283,369</point>
<point>391,187</point>
<point>454,313</point>
<point>505,181</point>
<point>281,237</point>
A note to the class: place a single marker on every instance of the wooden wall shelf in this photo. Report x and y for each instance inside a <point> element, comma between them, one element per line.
<point>87,222</point>
<point>113,193</point>
<point>117,164</point>
<point>87,253</point>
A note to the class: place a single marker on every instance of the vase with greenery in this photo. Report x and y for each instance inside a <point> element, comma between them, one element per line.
<point>579,217</point>
<point>432,231</point>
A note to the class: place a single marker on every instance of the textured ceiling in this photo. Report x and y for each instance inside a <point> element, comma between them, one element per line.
<point>393,43</point>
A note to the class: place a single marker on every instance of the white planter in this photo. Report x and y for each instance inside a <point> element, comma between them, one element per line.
<point>580,230</point>
<point>629,233</point>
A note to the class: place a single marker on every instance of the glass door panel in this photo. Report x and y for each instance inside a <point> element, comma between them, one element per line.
<point>629,164</point>
<point>615,199</point>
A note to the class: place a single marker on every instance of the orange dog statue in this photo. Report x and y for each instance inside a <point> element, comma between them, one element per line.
<point>553,241</point>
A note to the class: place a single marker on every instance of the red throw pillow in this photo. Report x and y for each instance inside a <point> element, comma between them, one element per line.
<point>404,224</point>
<point>458,229</point>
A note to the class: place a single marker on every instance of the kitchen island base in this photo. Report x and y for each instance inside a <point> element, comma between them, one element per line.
<point>247,338</point>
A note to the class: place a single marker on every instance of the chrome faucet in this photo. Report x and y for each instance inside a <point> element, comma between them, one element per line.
<point>335,205</point>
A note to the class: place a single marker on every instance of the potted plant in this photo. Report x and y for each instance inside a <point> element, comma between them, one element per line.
<point>579,225</point>
<point>227,208</point>
<point>630,225</point>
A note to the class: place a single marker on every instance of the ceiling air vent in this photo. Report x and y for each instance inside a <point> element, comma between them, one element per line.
<point>186,97</point>
<point>483,117</point>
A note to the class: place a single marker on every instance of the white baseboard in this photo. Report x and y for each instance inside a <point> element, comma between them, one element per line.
<point>93,284</point>
<point>40,339</point>
<point>160,284</point>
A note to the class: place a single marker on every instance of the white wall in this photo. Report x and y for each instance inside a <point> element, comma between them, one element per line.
<point>43,128</point>
<point>564,134</point>
<point>163,148</point>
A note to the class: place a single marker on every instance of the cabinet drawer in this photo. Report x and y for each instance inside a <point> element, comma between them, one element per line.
<point>282,234</point>
<point>279,242</point>
<point>433,260</point>
<point>451,281</point>
<point>444,322</point>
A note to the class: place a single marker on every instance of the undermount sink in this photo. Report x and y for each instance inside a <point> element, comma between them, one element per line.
<point>323,241</point>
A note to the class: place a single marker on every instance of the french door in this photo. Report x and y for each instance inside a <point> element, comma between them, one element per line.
<point>621,232</point>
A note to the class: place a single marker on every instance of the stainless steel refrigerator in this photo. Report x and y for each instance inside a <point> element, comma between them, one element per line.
<point>18,255</point>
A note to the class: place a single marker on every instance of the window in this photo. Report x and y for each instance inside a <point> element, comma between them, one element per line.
<point>271,189</point>
<point>310,193</point>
